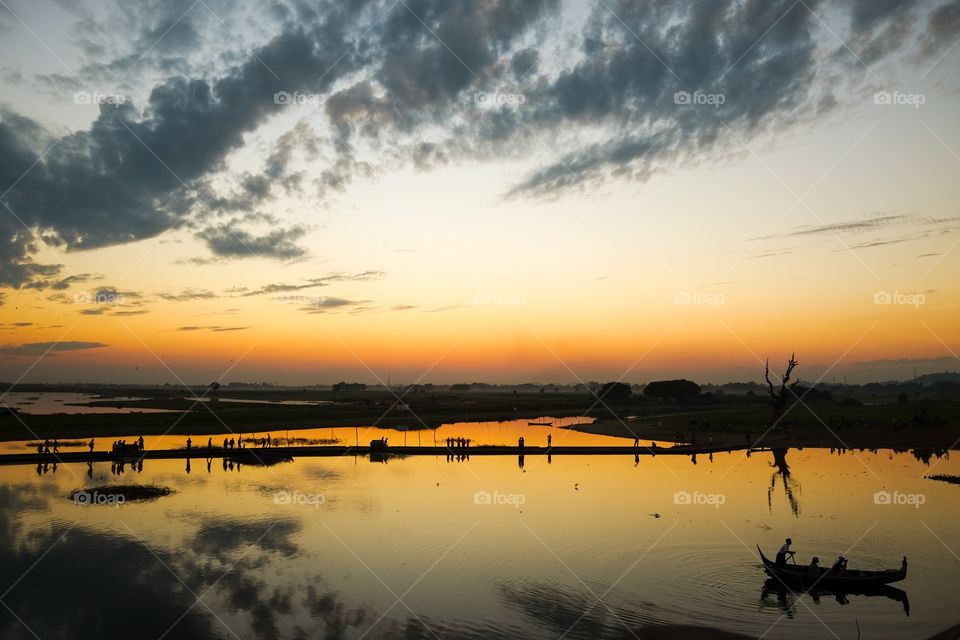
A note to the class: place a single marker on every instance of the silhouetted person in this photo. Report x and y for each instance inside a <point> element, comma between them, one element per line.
<point>140,443</point>
<point>240,442</point>
<point>209,443</point>
<point>815,565</point>
<point>189,443</point>
<point>520,444</point>
<point>784,552</point>
<point>90,444</point>
<point>839,565</point>
<point>268,441</point>
<point>224,443</point>
<point>56,446</point>
<point>549,440</point>
<point>232,443</point>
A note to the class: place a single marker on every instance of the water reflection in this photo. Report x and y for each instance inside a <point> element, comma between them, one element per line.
<point>790,486</point>
<point>587,528</point>
<point>787,599</point>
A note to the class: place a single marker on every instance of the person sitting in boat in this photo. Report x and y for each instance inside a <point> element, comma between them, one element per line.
<point>815,565</point>
<point>840,564</point>
<point>784,552</point>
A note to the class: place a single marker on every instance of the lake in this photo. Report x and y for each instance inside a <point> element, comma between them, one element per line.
<point>574,547</point>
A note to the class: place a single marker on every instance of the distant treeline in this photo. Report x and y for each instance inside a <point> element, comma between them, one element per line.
<point>932,386</point>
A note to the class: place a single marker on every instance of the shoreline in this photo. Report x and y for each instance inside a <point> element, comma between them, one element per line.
<point>725,423</point>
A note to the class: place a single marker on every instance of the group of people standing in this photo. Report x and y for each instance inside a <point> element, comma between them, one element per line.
<point>227,444</point>
<point>46,446</point>
<point>119,446</point>
<point>236,443</point>
<point>458,443</point>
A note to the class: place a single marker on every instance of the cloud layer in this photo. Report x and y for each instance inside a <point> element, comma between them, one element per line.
<point>635,89</point>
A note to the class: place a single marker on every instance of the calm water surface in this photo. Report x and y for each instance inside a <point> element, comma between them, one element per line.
<point>50,402</point>
<point>575,547</point>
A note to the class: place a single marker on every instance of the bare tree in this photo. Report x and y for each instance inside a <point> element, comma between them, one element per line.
<point>779,396</point>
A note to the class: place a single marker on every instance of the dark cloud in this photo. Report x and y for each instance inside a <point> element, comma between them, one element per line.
<point>232,242</point>
<point>849,226</point>
<point>188,294</point>
<point>64,283</point>
<point>388,73</point>
<point>310,283</point>
<point>330,303</point>
<point>131,312</point>
<point>133,175</point>
<point>943,29</point>
<point>49,348</point>
<point>849,232</point>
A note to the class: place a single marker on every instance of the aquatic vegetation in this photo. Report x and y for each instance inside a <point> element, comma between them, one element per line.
<point>118,494</point>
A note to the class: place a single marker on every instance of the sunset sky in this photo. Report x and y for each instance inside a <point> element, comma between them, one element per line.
<point>507,191</point>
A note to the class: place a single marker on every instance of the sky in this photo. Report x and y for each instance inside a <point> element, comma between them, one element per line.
<point>505,191</point>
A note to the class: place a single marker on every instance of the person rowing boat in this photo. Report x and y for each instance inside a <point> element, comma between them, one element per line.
<point>784,552</point>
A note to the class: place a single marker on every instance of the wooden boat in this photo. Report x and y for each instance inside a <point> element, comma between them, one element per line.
<point>800,575</point>
<point>540,424</point>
